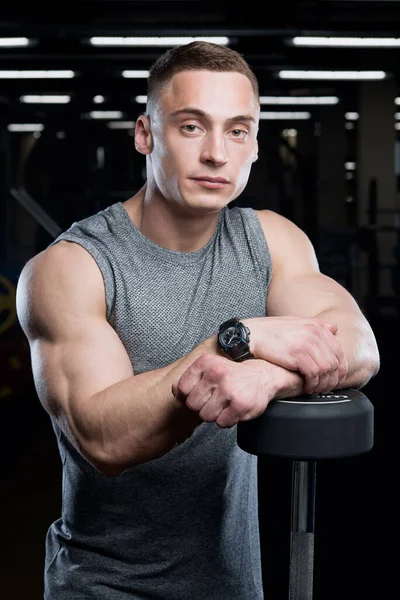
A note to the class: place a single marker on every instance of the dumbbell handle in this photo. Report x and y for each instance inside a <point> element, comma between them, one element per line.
<point>301,570</point>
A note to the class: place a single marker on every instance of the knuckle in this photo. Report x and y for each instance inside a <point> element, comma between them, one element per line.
<point>183,387</point>
<point>313,372</point>
<point>204,361</point>
<point>334,365</point>
<point>326,368</point>
<point>239,405</point>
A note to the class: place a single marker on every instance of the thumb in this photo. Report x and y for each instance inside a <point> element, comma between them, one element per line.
<point>174,389</point>
<point>333,327</point>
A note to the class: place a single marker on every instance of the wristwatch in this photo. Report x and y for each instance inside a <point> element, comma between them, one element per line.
<point>233,338</point>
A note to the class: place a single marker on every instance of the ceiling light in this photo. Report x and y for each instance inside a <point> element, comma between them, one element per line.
<point>135,74</point>
<point>287,74</point>
<point>351,116</point>
<point>346,42</point>
<point>279,99</point>
<point>45,99</point>
<point>105,114</point>
<point>121,124</point>
<point>154,41</point>
<point>98,99</point>
<point>284,115</point>
<point>299,99</point>
<point>14,42</point>
<point>25,127</point>
<point>36,74</point>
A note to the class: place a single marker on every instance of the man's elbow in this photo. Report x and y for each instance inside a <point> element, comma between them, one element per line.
<point>367,371</point>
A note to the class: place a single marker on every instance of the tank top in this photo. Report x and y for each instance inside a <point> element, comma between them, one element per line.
<point>183,526</point>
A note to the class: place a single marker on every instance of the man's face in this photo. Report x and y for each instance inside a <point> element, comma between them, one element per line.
<point>204,130</point>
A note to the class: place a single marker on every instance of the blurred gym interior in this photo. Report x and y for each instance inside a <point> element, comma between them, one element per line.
<point>329,160</point>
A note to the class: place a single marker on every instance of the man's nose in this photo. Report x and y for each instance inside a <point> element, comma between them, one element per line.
<point>214,149</point>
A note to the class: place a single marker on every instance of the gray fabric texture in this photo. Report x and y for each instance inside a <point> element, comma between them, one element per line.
<point>183,526</point>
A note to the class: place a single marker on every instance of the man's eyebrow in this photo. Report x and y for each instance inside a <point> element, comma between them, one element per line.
<point>201,113</point>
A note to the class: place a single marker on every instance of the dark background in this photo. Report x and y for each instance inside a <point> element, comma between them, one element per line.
<point>77,165</point>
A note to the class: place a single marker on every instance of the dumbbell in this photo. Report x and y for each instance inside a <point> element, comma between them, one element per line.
<point>306,429</point>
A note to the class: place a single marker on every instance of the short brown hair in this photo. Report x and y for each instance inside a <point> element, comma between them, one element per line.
<point>198,55</point>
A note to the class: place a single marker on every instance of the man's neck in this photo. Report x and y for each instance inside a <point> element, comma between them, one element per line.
<point>181,232</point>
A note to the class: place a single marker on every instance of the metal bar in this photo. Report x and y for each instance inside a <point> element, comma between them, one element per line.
<point>36,211</point>
<point>301,571</point>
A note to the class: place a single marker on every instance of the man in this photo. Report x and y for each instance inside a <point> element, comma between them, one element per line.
<point>122,314</point>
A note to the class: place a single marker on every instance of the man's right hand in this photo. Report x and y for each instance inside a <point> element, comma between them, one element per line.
<point>306,345</point>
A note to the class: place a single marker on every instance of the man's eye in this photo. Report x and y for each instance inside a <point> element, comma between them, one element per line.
<point>239,133</point>
<point>190,128</point>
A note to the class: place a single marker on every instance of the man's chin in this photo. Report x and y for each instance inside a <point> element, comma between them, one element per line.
<point>205,203</point>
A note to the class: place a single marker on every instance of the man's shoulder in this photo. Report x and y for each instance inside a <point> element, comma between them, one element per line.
<point>274,223</point>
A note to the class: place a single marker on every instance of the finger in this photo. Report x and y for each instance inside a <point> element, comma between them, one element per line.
<point>309,368</point>
<point>229,416</point>
<point>342,368</point>
<point>213,408</point>
<point>326,365</point>
<point>327,382</point>
<point>189,379</point>
<point>200,395</point>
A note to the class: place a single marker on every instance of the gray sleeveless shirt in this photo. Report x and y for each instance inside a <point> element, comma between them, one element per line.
<point>183,526</point>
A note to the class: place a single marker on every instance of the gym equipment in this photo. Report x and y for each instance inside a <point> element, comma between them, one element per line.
<point>8,313</point>
<point>306,429</point>
<point>36,211</point>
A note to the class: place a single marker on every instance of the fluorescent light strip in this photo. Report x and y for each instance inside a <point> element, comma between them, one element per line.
<point>14,42</point>
<point>397,101</point>
<point>20,127</point>
<point>121,124</point>
<point>360,75</point>
<point>351,116</point>
<point>299,99</point>
<point>36,74</point>
<point>346,42</point>
<point>284,115</point>
<point>105,114</point>
<point>135,74</point>
<point>45,99</point>
<point>397,115</point>
<point>154,41</point>
<point>276,100</point>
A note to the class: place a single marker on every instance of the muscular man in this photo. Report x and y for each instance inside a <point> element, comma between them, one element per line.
<point>122,313</point>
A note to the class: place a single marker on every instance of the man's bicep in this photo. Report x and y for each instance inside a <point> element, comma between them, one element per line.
<point>75,353</point>
<point>307,295</point>
<point>298,287</point>
<point>69,370</point>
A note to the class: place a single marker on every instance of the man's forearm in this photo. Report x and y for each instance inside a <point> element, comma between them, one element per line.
<point>138,419</point>
<point>359,346</point>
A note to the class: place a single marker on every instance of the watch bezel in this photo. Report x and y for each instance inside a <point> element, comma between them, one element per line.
<point>243,331</point>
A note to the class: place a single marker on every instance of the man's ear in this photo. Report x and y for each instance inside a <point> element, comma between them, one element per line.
<point>143,136</point>
<point>255,156</point>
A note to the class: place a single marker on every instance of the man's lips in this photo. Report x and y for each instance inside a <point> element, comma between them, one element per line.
<point>211,182</point>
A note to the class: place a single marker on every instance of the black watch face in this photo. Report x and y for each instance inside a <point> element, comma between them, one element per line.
<point>231,336</point>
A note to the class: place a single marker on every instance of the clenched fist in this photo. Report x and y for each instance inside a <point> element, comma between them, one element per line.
<point>226,392</point>
<point>306,345</point>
